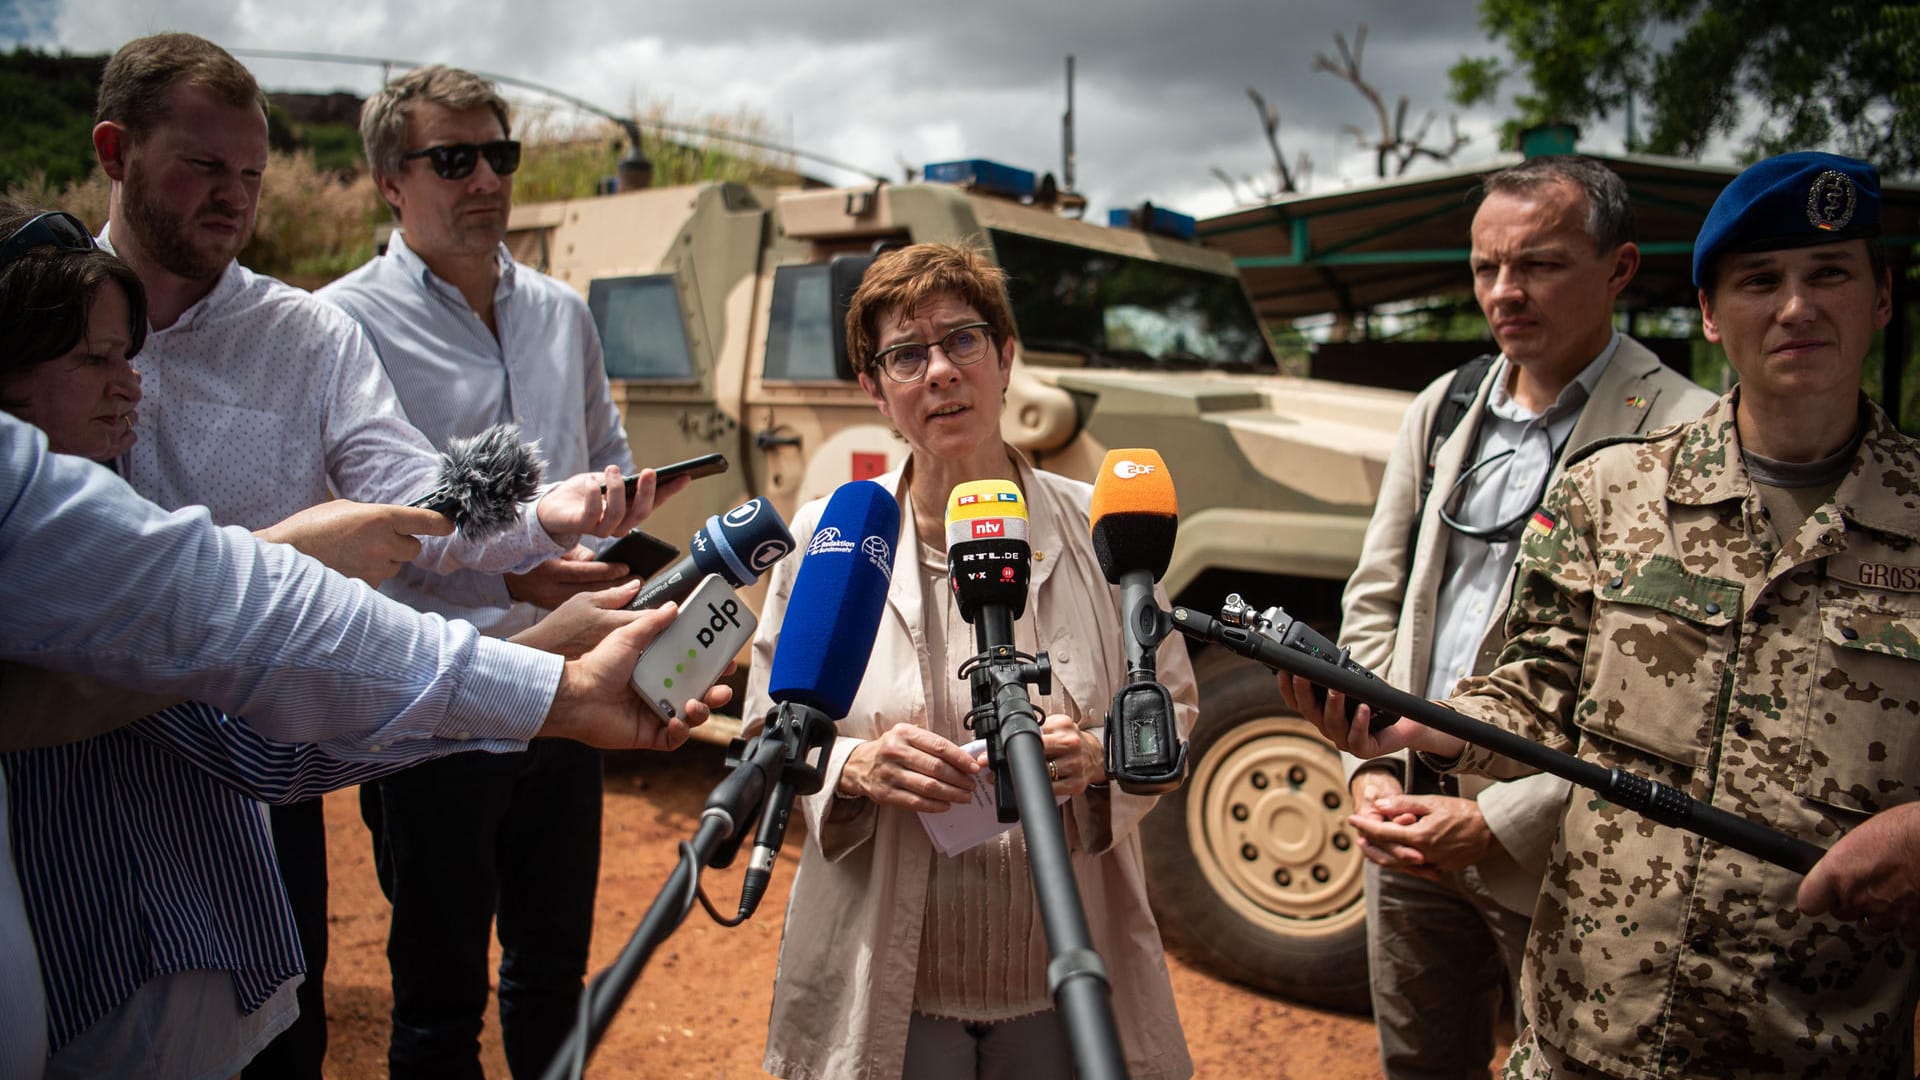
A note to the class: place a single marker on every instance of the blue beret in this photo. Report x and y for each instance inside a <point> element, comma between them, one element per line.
<point>1794,200</point>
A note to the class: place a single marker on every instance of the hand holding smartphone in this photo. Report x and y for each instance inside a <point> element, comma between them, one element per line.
<point>695,648</point>
<point>695,467</point>
<point>643,553</point>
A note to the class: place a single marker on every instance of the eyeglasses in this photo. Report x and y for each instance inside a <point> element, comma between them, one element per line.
<point>456,161</point>
<point>907,362</point>
<point>1500,532</point>
<point>55,228</point>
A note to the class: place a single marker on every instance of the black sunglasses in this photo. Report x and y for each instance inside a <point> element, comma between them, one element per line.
<point>456,161</point>
<point>55,228</point>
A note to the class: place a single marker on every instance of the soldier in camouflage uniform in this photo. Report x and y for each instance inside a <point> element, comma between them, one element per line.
<point>1750,585</point>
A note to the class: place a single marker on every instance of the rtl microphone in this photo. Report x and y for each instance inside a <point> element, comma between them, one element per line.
<point>987,563</point>
<point>1135,520</point>
<point>988,557</point>
<point>483,480</point>
<point>826,639</point>
<point>739,545</point>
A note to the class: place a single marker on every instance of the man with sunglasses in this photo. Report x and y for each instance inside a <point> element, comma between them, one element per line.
<point>260,401</point>
<point>470,337</point>
<point>1454,870</point>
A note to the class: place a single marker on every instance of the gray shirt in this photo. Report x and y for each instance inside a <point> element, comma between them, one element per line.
<point>1476,570</point>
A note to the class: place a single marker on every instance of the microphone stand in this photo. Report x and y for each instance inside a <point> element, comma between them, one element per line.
<point>1256,636</point>
<point>1003,715</point>
<point>782,758</point>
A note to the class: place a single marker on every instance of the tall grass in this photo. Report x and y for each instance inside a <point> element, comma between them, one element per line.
<point>317,223</point>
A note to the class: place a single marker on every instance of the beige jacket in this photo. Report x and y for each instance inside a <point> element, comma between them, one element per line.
<point>1389,603</point>
<point>844,991</point>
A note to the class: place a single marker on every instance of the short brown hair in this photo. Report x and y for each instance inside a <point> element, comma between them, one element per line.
<point>46,296</point>
<point>383,119</point>
<point>1609,207</point>
<point>904,278</point>
<point>133,88</point>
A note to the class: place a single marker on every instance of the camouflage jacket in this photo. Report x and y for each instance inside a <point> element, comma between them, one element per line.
<point>1773,678</point>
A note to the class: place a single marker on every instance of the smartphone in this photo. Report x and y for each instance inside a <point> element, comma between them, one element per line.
<point>644,553</point>
<point>689,655</point>
<point>696,467</point>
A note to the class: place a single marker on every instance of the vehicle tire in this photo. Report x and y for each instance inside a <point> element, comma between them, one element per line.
<point>1252,868</point>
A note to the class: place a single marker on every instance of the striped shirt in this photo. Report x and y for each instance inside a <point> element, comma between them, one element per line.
<point>257,402</point>
<point>122,886</point>
<point>454,377</point>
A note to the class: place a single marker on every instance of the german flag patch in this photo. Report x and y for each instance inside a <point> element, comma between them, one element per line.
<point>1542,523</point>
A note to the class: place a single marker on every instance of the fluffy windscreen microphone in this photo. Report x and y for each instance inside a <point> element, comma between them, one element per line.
<point>1135,515</point>
<point>838,595</point>
<point>483,480</point>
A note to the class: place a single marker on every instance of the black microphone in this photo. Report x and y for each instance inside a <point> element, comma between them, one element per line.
<point>1135,521</point>
<point>832,616</point>
<point>483,480</point>
<point>739,545</point>
<point>988,560</point>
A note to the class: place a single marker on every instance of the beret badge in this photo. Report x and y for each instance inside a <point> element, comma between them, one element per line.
<point>1830,201</point>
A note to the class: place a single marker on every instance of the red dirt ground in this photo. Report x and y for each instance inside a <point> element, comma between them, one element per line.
<point>700,1008</point>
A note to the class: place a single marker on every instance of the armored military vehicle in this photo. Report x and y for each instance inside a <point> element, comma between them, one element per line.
<point>716,307</point>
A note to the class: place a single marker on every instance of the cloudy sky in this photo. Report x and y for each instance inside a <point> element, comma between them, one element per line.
<point>1160,96</point>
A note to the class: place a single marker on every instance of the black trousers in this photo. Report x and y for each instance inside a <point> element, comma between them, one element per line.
<point>459,842</point>
<point>300,844</point>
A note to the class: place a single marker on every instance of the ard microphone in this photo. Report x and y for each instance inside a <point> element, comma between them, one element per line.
<point>483,480</point>
<point>739,545</point>
<point>826,639</point>
<point>1135,520</point>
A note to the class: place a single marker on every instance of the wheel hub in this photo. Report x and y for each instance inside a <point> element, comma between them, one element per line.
<point>1268,817</point>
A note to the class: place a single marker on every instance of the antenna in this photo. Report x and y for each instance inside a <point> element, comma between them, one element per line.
<point>1066,133</point>
<point>634,157</point>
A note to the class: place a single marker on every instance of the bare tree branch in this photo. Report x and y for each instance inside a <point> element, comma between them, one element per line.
<point>1394,148</point>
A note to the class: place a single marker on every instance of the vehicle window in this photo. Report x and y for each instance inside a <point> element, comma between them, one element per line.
<point>800,324</point>
<point>640,328</point>
<point>1119,311</point>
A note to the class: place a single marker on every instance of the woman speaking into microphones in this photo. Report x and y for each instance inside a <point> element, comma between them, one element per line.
<point>913,942</point>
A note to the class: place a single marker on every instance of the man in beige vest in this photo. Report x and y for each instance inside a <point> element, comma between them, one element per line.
<point>1454,872</point>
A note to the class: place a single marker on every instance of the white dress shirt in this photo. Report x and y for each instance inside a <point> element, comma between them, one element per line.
<point>454,377</point>
<point>260,401</point>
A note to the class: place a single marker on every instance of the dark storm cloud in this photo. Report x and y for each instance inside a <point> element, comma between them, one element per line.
<point>1161,92</point>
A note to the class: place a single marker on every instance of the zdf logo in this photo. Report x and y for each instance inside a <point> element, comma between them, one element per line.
<point>1127,470</point>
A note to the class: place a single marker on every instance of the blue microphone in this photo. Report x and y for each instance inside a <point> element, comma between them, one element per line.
<point>833,615</point>
<point>739,545</point>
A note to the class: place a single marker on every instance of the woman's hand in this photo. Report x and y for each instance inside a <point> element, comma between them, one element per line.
<point>1075,758</point>
<point>911,768</point>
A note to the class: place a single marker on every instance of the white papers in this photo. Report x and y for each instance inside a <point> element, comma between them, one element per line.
<point>970,824</point>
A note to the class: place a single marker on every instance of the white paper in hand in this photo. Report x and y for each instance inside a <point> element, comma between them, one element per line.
<point>970,824</point>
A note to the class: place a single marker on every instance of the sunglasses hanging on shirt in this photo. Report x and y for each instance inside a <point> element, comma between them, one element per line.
<point>1500,532</point>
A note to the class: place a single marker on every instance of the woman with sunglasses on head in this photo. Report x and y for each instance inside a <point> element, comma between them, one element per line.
<point>146,860</point>
<point>898,960</point>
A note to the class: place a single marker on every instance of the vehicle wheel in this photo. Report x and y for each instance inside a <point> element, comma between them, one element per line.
<point>1252,868</point>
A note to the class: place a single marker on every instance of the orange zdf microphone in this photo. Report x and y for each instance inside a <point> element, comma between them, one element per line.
<point>1135,520</point>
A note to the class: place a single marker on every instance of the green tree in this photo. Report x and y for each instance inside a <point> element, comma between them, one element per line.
<point>1840,74</point>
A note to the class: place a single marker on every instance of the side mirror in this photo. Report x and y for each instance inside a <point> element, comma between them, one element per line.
<point>843,277</point>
